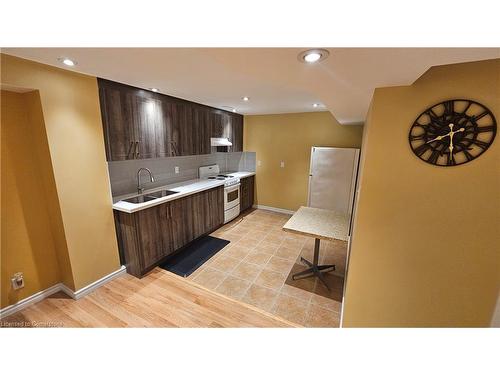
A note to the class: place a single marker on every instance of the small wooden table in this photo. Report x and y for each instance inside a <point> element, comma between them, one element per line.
<point>322,225</point>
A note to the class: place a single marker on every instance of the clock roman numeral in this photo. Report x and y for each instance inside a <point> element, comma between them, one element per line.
<point>432,115</point>
<point>417,137</point>
<point>420,150</point>
<point>468,155</point>
<point>466,108</point>
<point>449,107</point>
<point>483,145</point>
<point>480,116</point>
<point>451,159</point>
<point>484,129</point>
<point>434,156</point>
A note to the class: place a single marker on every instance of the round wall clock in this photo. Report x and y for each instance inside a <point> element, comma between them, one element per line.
<point>452,132</point>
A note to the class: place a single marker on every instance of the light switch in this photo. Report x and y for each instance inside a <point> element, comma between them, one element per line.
<point>259,163</point>
<point>282,164</point>
<point>176,169</point>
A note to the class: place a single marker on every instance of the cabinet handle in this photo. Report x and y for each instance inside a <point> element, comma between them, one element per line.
<point>135,149</point>
<point>130,148</point>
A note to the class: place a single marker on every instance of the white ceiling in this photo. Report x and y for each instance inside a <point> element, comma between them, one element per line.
<point>273,78</point>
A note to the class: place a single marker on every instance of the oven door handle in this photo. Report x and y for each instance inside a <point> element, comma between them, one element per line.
<point>232,188</point>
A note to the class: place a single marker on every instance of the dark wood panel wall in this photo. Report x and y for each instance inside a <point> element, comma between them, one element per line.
<point>148,237</point>
<point>140,124</point>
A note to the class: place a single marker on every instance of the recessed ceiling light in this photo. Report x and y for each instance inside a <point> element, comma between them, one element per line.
<point>313,55</point>
<point>316,105</point>
<point>67,61</point>
<point>245,98</point>
<point>234,109</point>
<point>154,89</point>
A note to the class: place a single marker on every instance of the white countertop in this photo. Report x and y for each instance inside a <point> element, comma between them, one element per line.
<point>318,223</point>
<point>183,188</point>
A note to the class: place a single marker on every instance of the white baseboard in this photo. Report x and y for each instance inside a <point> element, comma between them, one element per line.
<point>96,284</point>
<point>37,297</point>
<point>275,209</point>
<point>22,304</point>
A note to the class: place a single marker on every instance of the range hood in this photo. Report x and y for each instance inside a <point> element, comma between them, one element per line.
<point>220,142</point>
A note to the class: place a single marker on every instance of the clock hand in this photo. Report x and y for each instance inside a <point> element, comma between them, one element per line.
<point>450,134</point>
<point>450,147</point>
<point>438,138</point>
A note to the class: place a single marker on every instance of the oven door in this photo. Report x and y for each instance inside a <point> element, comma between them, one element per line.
<point>231,196</point>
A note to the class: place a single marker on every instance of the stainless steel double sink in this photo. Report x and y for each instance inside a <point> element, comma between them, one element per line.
<point>150,196</point>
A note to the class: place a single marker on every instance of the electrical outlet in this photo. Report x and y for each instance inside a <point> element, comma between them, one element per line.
<point>17,281</point>
<point>176,169</point>
<point>282,164</point>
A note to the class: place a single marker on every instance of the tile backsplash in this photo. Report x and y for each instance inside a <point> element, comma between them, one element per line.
<point>123,174</point>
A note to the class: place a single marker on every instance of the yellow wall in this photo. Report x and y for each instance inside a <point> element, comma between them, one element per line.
<point>27,241</point>
<point>289,138</point>
<point>72,119</point>
<point>426,245</point>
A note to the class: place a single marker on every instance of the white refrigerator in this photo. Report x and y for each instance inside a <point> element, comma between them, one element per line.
<point>332,178</point>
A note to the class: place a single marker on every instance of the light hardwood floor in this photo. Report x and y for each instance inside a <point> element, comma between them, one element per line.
<point>160,299</point>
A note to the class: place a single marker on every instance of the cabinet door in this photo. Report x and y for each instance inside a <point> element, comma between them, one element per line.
<point>149,230</point>
<point>196,131</point>
<point>237,133</point>
<point>243,195</point>
<point>200,214</point>
<point>185,125</point>
<point>208,211</point>
<point>181,222</point>
<point>146,113</point>
<point>178,119</point>
<point>216,130</point>
<point>202,123</point>
<point>227,127</point>
<point>247,193</point>
<point>215,208</point>
<point>118,123</point>
<point>251,191</point>
<point>163,132</point>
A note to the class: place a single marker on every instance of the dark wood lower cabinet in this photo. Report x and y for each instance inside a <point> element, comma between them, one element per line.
<point>147,237</point>
<point>247,192</point>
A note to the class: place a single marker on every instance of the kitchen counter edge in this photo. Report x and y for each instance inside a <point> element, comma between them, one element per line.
<point>185,187</point>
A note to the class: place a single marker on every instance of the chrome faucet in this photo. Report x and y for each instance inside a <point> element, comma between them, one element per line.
<point>140,189</point>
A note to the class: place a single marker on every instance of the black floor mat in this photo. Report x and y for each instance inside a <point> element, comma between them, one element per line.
<point>194,255</point>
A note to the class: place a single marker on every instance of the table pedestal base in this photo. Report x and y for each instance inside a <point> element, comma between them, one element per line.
<point>314,269</point>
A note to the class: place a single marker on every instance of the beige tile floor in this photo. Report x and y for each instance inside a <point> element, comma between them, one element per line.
<point>254,266</point>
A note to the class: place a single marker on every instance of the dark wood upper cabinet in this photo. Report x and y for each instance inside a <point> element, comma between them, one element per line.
<point>237,133</point>
<point>118,123</point>
<point>202,125</point>
<point>140,124</point>
<point>147,124</point>
<point>175,118</point>
<point>164,134</point>
<point>216,128</point>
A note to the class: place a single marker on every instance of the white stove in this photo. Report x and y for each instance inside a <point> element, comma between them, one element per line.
<point>231,189</point>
